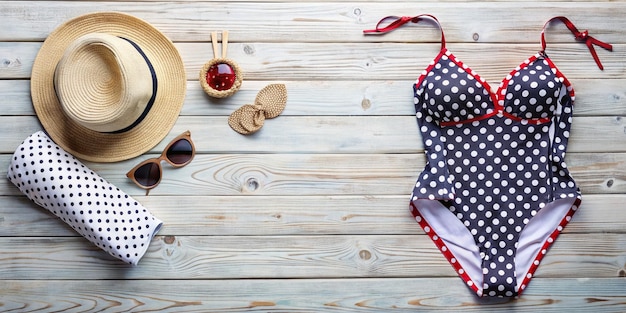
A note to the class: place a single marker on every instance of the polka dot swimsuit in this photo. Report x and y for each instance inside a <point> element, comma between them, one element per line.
<point>495,191</point>
<point>93,207</point>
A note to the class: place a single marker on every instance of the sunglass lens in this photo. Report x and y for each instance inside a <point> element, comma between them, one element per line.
<point>148,175</point>
<point>180,152</point>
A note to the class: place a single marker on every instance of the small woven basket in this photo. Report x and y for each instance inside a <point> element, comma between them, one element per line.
<point>204,79</point>
<point>210,90</point>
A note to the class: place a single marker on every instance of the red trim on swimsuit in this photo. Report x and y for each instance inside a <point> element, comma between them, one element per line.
<point>498,108</point>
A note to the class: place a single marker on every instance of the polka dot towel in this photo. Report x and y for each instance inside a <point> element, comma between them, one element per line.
<point>96,209</point>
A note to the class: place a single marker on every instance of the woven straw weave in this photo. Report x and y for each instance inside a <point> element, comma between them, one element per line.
<point>269,103</point>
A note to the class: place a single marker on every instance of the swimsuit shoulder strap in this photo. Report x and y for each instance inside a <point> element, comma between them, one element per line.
<point>580,36</point>
<point>385,26</point>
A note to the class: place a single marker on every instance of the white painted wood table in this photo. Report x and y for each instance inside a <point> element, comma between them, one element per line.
<point>311,213</point>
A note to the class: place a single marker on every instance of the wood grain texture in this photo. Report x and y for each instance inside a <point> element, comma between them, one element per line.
<point>329,134</point>
<point>324,174</point>
<point>325,21</point>
<point>359,61</point>
<point>287,215</point>
<point>596,97</point>
<point>310,295</point>
<point>311,213</point>
<point>269,257</point>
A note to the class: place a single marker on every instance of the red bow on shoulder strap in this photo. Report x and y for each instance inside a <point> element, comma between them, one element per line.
<point>580,36</point>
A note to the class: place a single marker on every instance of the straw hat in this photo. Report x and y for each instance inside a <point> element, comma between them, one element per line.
<point>107,86</point>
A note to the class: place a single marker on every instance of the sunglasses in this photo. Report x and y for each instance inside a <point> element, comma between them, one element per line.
<point>179,152</point>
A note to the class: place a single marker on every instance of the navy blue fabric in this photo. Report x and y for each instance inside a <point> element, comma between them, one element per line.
<point>494,160</point>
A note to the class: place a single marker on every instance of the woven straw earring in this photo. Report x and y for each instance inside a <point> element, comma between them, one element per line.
<point>220,77</point>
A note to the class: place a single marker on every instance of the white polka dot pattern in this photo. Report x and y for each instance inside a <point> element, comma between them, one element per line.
<point>533,92</point>
<point>494,160</point>
<point>451,92</point>
<point>95,208</point>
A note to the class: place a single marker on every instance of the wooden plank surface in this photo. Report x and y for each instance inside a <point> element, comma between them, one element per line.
<point>602,97</point>
<point>308,295</point>
<point>270,257</point>
<point>324,22</point>
<point>359,61</point>
<point>359,135</point>
<point>311,213</point>
<point>288,215</point>
<point>302,174</point>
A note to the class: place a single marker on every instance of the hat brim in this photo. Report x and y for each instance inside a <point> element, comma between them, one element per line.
<point>95,146</point>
